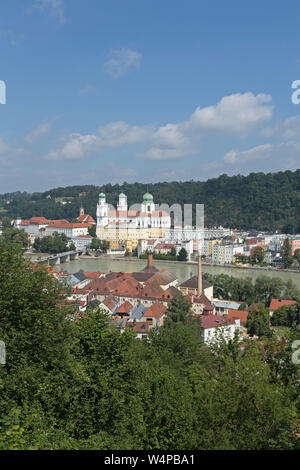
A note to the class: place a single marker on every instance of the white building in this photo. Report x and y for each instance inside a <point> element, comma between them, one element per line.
<point>145,217</point>
<point>223,253</point>
<point>219,232</point>
<point>82,241</point>
<point>69,229</point>
<point>213,327</point>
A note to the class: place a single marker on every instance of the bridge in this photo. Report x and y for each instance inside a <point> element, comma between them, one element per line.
<point>60,258</point>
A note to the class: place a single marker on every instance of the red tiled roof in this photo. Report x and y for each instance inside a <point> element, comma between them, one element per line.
<point>212,321</point>
<point>110,302</point>
<point>126,307</point>
<point>69,225</point>
<point>86,218</point>
<point>141,327</point>
<point>277,303</point>
<point>157,310</point>
<point>92,275</point>
<point>164,246</point>
<point>241,314</point>
<point>202,299</point>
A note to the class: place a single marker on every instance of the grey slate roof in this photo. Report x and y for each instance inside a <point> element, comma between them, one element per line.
<point>80,276</point>
<point>192,283</point>
<point>138,312</point>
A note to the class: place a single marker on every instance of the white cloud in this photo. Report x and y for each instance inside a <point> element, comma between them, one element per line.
<point>236,113</point>
<point>77,146</point>
<point>53,7</point>
<point>291,127</point>
<point>121,61</point>
<point>38,132</point>
<point>9,153</point>
<point>112,135</point>
<point>119,133</point>
<point>255,153</point>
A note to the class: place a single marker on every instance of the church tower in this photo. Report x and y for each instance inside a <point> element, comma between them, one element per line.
<point>148,205</point>
<point>102,211</point>
<point>122,205</point>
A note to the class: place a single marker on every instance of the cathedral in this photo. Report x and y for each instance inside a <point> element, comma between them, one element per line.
<point>126,227</point>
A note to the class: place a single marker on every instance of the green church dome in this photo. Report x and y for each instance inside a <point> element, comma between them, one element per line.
<point>148,197</point>
<point>102,196</point>
<point>122,195</point>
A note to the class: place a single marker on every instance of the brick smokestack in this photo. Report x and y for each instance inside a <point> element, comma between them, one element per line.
<point>150,256</point>
<point>199,275</point>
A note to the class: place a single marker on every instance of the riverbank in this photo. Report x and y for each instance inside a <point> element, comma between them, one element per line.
<point>181,270</point>
<point>204,263</point>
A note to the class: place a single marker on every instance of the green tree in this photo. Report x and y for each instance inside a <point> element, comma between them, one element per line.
<point>17,236</point>
<point>179,310</point>
<point>297,255</point>
<point>258,254</point>
<point>258,321</point>
<point>92,231</point>
<point>238,406</point>
<point>279,317</point>
<point>96,244</point>
<point>172,252</point>
<point>286,253</point>
<point>182,255</point>
<point>37,331</point>
<point>6,222</point>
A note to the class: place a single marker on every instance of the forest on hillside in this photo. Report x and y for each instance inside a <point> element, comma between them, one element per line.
<point>258,201</point>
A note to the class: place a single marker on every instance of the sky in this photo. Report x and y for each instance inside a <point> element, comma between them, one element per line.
<point>110,91</point>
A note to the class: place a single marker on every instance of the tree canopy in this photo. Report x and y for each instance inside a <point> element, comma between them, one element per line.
<point>79,383</point>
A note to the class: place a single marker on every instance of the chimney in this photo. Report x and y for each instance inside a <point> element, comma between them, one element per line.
<point>199,275</point>
<point>149,265</point>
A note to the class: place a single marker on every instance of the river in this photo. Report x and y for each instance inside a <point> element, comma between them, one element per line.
<point>181,270</point>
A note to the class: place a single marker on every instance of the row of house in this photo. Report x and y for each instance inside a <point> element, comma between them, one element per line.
<point>77,232</point>
<point>139,300</point>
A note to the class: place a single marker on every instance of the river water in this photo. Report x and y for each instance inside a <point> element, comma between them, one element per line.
<point>182,271</point>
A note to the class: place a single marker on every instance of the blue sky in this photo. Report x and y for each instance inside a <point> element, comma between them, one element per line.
<point>126,90</point>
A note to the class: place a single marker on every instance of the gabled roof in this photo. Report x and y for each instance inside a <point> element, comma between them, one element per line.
<point>141,327</point>
<point>143,276</point>
<point>157,310</point>
<point>213,321</point>
<point>202,300</point>
<point>241,314</point>
<point>162,278</point>
<point>277,303</point>
<point>86,218</point>
<point>126,308</point>
<point>92,275</point>
<point>110,302</point>
<point>69,225</point>
<point>138,312</point>
<point>153,291</point>
<point>192,283</point>
<point>80,276</point>
<point>174,291</point>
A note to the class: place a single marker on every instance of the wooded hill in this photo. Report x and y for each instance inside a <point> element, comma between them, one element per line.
<point>258,201</point>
